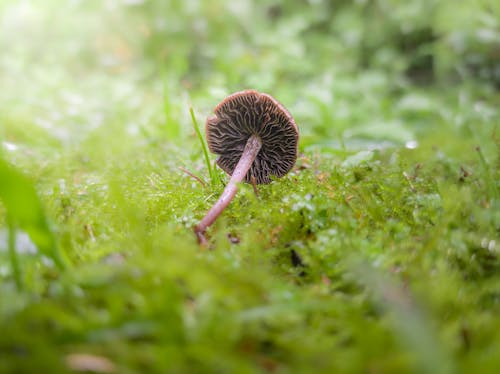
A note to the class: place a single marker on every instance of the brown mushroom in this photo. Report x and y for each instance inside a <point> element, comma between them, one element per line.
<point>256,138</point>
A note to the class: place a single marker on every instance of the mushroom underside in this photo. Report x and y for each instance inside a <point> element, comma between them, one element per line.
<point>276,157</point>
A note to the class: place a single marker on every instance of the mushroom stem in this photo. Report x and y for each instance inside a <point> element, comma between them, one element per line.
<point>252,148</point>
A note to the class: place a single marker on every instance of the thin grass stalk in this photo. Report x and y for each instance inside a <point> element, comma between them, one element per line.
<point>14,260</point>
<point>203,145</point>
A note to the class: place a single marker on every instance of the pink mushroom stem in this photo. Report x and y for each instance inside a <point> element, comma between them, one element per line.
<point>252,148</point>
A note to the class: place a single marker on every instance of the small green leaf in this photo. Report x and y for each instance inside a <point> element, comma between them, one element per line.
<point>24,210</point>
<point>357,159</point>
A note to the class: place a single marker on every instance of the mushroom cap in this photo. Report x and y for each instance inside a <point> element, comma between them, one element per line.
<point>247,113</point>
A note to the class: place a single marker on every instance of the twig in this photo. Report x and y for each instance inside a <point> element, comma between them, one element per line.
<point>254,184</point>
<point>198,179</point>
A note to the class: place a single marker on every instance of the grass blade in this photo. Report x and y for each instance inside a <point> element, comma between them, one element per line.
<point>408,321</point>
<point>14,260</point>
<point>203,144</point>
<point>492,189</point>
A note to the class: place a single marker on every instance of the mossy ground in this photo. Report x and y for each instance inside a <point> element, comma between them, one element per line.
<point>378,253</point>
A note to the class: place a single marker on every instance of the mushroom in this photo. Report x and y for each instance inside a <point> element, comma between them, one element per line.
<point>256,138</point>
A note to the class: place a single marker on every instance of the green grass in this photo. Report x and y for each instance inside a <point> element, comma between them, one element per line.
<point>378,253</point>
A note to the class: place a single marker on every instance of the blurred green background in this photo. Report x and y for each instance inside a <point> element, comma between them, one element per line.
<point>379,253</point>
<point>343,68</point>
